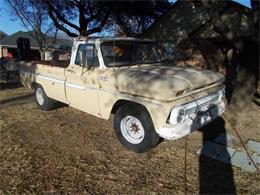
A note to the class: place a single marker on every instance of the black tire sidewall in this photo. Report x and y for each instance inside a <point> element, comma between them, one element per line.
<point>150,139</point>
<point>47,103</point>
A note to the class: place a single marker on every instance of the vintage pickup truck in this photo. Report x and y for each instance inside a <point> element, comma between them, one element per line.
<point>129,77</point>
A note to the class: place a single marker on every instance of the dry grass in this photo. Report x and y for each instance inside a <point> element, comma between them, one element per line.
<point>66,150</point>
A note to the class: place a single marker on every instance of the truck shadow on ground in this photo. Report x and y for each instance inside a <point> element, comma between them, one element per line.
<point>58,105</point>
<point>215,177</point>
<point>15,99</point>
<point>24,98</point>
<point>10,85</point>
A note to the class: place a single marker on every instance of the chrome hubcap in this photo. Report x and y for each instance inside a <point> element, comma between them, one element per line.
<point>132,129</point>
<point>39,96</point>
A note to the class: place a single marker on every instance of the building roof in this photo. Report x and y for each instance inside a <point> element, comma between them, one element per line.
<point>11,41</point>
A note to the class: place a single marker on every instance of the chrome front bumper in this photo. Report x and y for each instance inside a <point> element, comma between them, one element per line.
<point>172,132</point>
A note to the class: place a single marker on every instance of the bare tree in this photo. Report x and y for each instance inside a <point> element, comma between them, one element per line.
<point>82,17</point>
<point>34,18</point>
<point>134,17</point>
<point>91,16</point>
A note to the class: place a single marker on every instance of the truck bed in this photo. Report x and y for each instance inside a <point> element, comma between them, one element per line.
<point>59,63</point>
<point>46,71</point>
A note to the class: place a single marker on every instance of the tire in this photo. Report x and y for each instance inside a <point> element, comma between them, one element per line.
<point>134,128</point>
<point>42,100</point>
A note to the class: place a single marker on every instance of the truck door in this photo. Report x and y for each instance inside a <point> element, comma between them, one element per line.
<point>81,85</point>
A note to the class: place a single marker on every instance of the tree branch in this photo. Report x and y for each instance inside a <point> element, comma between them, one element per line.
<point>52,39</point>
<point>101,25</point>
<point>82,19</point>
<point>60,17</point>
<point>57,24</point>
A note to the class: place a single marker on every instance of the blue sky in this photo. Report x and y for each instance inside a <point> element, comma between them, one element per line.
<point>9,26</point>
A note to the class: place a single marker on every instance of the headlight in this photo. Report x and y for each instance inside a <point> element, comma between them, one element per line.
<point>181,113</point>
<point>181,116</point>
<point>177,115</point>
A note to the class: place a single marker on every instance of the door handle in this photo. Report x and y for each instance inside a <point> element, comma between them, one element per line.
<point>70,70</point>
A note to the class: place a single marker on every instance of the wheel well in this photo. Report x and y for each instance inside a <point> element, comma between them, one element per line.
<point>33,85</point>
<point>120,103</point>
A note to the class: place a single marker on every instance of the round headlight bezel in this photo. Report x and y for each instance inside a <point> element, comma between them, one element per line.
<point>181,115</point>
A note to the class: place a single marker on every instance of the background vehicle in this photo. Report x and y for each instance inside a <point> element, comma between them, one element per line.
<point>9,72</point>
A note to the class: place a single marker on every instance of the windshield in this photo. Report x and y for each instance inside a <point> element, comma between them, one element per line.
<point>125,53</point>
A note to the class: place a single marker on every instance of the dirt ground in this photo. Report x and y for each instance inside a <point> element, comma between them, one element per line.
<point>66,150</point>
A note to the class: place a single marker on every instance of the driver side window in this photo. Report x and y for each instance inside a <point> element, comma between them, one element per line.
<point>87,56</point>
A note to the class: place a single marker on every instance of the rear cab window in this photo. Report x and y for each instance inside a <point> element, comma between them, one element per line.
<point>87,56</point>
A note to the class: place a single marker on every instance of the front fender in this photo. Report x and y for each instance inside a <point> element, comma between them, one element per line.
<point>158,111</point>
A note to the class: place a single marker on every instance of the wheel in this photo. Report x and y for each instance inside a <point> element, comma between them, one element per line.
<point>42,100</point>
<point>134,128</point>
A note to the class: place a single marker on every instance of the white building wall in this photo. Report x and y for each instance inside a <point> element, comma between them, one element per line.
<point>4,51</point>
<point>47,55</point>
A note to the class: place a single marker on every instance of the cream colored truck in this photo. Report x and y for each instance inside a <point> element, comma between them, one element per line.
<point>128,77</point>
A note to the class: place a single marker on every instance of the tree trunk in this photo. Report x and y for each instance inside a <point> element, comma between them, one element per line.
<point>42,54</point>
<point>256,8</point>
<point>258,83</point>
<point>246,81</point>
<point>247,71</point>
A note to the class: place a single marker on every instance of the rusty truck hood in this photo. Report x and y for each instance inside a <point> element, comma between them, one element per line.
<point>161,82</point>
